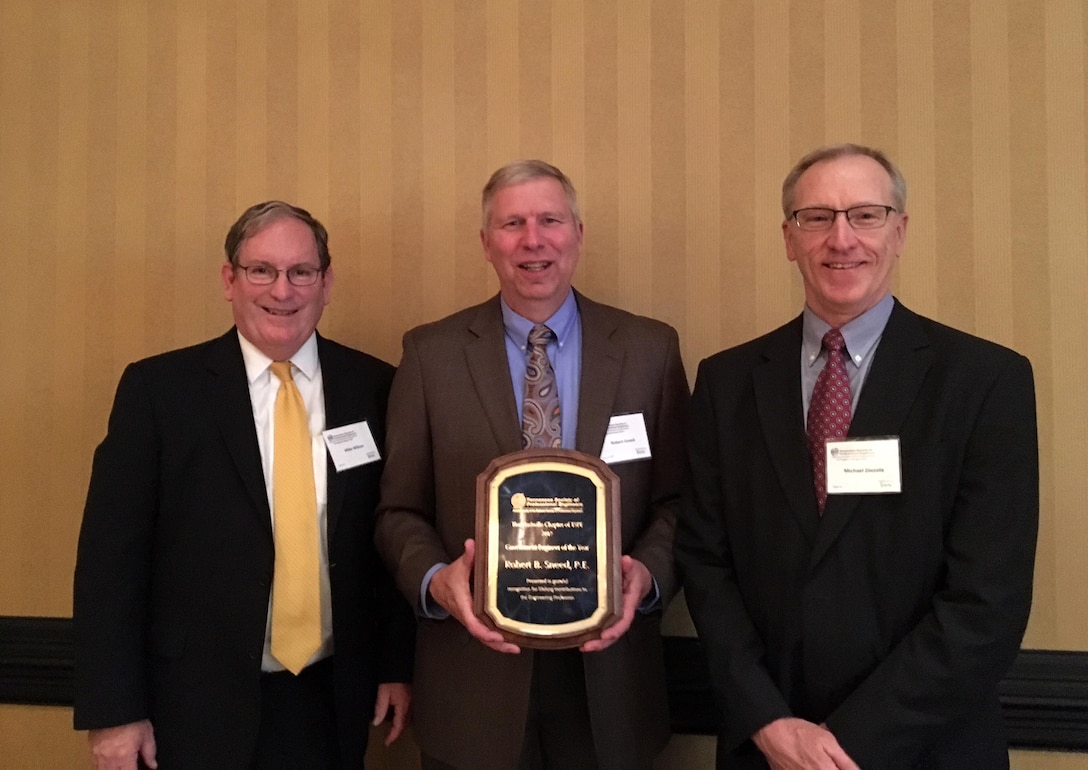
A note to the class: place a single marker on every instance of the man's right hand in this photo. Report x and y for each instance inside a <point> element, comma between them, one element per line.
<point>796,744</point>
<point>450,588</point>
<point>116,748</point>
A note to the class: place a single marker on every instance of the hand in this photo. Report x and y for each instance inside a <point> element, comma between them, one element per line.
<point>397,695</point>
<point>116,748</point>
<point>796,744</point>
<point>637,582</point>
<point>450,588</point>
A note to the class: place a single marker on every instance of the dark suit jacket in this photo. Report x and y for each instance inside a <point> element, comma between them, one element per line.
<point>893,617</point>
<point>452,411</point>
<point>176,559</point>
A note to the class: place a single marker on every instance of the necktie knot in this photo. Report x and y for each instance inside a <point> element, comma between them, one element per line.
<point>540,335</point>
<point>833,341</point>
<point>282,369</point>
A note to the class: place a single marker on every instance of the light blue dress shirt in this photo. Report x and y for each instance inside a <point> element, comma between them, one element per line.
<point>564,353</point>
<point>862,337</point>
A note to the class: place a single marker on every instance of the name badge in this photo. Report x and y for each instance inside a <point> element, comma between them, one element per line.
<point>626,439</point>
<point>863,466</point>
<point>351,446</point>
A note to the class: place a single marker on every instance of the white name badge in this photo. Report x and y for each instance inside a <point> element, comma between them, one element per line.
<point>626,439</point>
<point>863,466</point>
<point>351,446</point>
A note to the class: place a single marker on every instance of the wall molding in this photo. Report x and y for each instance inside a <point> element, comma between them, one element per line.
<point>1044,697</point>
<point>36,660</point>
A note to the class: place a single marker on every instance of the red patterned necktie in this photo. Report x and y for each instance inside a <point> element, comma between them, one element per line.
<point>829,411</point>
<point>540,425</point>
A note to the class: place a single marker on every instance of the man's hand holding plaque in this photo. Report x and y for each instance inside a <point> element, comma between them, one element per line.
<point>637,582</point>
<point>450,587</point>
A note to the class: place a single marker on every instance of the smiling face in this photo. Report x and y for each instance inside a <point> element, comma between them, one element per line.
<point>845,271</point>
<point>534,242</point>
<point>279,317</point>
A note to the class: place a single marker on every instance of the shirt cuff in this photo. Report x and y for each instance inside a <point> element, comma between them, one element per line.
<point>652,602</point>
<point>428,607</point>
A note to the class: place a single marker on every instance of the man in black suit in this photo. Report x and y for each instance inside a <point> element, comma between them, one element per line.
<point>181,565</point>
<point>861,609</point>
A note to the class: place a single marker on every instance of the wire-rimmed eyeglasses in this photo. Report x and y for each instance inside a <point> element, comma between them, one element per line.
<point>298,275</point>
<point>867,217</point>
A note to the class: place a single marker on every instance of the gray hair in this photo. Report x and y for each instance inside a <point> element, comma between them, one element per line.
<point>789,184</point>
<point>260,215</point>
<point>521,171</point>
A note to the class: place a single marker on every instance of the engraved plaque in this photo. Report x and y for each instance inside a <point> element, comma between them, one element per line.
<point>547,571</point>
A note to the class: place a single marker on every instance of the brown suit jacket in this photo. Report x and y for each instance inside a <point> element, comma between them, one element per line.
<point>451,411</point>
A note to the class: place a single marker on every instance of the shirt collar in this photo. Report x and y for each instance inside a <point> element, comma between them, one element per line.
<point>257,363</point>
<point>561,323</point>
<point>860,334</point>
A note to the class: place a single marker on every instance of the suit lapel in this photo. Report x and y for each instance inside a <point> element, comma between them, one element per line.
<point>338,412</point>
<point>228,398</point>
<point>779,407</point>
<point>602,363</point>
<point>490,372</point>
<point>899,368</point>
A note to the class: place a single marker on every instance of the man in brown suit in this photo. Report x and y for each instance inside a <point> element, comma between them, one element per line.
<point>455,405</point>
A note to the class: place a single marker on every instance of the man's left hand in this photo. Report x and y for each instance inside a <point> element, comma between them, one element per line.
<point>398,697</point>
<point>637,582</point>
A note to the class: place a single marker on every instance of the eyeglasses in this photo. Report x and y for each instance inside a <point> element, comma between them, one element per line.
<point>860,217</point>
<point>297,275</point>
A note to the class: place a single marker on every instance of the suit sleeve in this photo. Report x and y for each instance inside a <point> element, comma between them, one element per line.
<point>654,545</point>
<point>113,564</point>
<point>962,647</point>
<point>396,623</point>
<point>743,688</point>
<point>406,536</point>
<point>397,630</point>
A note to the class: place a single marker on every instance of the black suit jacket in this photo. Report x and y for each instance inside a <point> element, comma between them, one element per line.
<point>451,412</point>
<point>891,617</point>
<point>176,555</point>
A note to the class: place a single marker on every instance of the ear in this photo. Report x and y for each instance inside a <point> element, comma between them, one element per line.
<point>787,237</point>
<point>229,277</point>
<point>485,242</point>
<point>326,284</point>
<point>901,233</point>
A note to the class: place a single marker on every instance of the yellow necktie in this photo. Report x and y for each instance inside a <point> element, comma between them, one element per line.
<point>296,599</point>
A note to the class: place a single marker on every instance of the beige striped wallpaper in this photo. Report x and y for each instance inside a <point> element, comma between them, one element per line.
<point>133,132</point>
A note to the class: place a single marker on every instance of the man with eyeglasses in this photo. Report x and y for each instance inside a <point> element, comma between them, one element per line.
<point>229,609</point>
<point>464,395</point>
<point>858,541</point>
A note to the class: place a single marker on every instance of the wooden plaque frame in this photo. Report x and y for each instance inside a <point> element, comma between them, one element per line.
<point>548,571</point>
